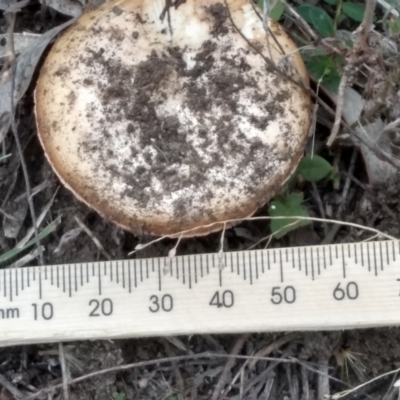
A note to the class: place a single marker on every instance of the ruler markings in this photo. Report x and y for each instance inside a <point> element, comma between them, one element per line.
<point>355,253</point>
<point>69,281</point>
<point>10,276</point>
<point>256,254</point>
<point>99,279</point>
<point>312,261</point>
<point>16,282</point>
<point>152,265</point>
<point>343,263</point>
<point>293,260</point>
<point>251,269</point>
<point>159,275</point>
<point>195,269</point>
<point>262,262</point>
<point>362,254</point>
<point>130,277</point>
<point>40,285</point>
<point>312,265</point>
<point>123,274</point>
<point>243,266</point>
<point>183,272</point>
<point>63,277</point>
<point>375,261</point>
<point>305,260</point>
<point>135,271</point>
<point>299,257</point>
<point>190,271</point>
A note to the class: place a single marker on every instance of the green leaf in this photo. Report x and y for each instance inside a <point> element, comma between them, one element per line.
<point>314,168</point>
<point>395,25</point>
<point>330,2</point>
<point>5,157</point>
<point>45,232</point>
<point>354,10</point>
<point>318,18</point>
<point>277,12</point>
<point>325,69</point>
<point>287,206</point>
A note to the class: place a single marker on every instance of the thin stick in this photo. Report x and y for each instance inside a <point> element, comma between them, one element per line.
<point>93,237</point>
<point>11,388</point>
<point>64,371</point>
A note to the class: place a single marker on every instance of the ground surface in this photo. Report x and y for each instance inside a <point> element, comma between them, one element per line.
<point>349,358</point>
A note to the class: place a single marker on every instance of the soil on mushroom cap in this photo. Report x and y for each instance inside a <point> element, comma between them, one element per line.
<point>162,139</point>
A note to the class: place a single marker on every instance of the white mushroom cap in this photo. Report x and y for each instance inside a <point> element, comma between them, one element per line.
<point>169,125</point>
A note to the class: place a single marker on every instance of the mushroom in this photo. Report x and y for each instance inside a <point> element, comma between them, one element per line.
<point>170,119</point>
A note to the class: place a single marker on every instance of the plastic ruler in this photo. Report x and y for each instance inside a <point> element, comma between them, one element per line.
<point>300,288</point>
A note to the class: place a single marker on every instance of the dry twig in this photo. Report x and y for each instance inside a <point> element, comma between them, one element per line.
<point>229,364</point>
<point>64,371</point>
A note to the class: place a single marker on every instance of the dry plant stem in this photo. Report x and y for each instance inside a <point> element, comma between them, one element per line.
<point>229,364</point>
<point>330,221</point>
<point>306,386</point>
<point>11,21</point>
<point>8,216</point>
<point>275,346</point>
<point>352,60</point>
<point>11,388</point>
<point>93,237</point>
<point>64,371</point>
<point>323,379</point>
<point>345,393</point>
<point>344,81</point>
<point>366,24</point>
<point>140,364</point>
<point>321,210</point>
<point>178,376</point>
<point>335,229</point>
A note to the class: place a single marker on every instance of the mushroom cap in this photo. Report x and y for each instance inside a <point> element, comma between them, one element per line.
<point>174,124</point>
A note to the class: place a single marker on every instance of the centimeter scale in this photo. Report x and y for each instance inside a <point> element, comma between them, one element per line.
<point>301,288</point>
